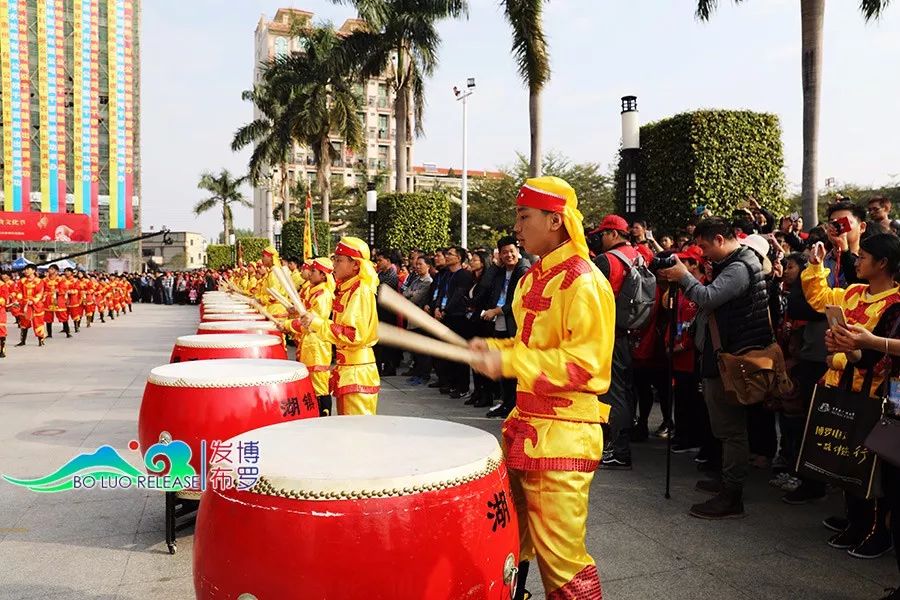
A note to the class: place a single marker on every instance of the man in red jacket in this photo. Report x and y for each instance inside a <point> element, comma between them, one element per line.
<point>616,260</point>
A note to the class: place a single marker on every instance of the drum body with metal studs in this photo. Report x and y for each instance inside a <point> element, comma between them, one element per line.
<point>350,507</point>
<point>227,345</point>
<point>209,400</point>
<point>265,327</point>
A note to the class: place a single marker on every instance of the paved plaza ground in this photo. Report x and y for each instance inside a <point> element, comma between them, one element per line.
<point>75,395</point>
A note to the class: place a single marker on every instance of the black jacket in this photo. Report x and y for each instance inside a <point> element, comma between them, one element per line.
<point>498,279</point>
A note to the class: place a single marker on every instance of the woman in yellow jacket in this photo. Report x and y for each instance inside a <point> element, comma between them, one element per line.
<point>864,305</point>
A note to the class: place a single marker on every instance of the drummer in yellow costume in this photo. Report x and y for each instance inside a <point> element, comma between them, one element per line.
<point>312,350</point>
<point>561,356</point>
<point>270,261</point>
<point>353,329</point>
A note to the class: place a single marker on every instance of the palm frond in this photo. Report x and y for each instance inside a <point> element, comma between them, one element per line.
<point>529,45</point>
<point>205,205</point>
<point>872,9</point>
<point>705,8</point>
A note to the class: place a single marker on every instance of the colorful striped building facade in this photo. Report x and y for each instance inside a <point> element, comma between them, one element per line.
<point>70,137</point>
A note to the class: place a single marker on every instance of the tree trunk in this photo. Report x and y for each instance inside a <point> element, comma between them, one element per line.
<point>401,116</point>
<point>812,18</point>
<point>225,228</point>
<point>323,175</point>
<point>534,121</point>
<point>285,203</point>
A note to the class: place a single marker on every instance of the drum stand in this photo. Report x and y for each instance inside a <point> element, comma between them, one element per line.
<point>178,506</point>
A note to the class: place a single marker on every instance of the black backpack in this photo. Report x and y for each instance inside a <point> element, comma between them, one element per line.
<point>637,297</point>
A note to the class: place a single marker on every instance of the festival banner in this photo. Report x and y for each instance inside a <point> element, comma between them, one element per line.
<point>45,227</point>
<point>51,87</point>
<point>61,80</point>
<point>116,70</point>
<point>129,113</point>
<point>14,84</point>
<point>93,62</point>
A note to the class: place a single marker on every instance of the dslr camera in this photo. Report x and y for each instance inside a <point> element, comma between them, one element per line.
<point>662,262</point>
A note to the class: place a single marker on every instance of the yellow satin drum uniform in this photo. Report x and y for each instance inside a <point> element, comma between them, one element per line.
<point>561,357</point>
<point>353,330</point>
<point>312,350</point>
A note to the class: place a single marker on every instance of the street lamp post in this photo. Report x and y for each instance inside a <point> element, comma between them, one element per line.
<point>464,192</point>
<point>371,208</point>
<point>631,147</point>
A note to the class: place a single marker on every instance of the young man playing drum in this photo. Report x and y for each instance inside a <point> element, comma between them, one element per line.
<point>561,356</point>
<point>270,260</point>
<point>312,350</point>
<point>353,329</point>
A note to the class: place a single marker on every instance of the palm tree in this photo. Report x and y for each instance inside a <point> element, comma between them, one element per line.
<point>272,141</point>
<point>226,190</point>
<point>812,19</point>
<point>530,49</point>
<point>401,40</point>
<point>315,89</point>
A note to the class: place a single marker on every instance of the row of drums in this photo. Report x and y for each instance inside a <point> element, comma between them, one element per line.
<point>334,508</point>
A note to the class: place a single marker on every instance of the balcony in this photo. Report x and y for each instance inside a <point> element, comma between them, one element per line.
<point>383,134</point>
<point>382,102</point>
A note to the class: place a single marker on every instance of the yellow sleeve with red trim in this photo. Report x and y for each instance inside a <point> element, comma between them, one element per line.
<point>814,279</point>
<point>356,326</point>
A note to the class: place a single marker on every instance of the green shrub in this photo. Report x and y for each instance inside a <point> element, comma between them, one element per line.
<point>292,239</point>
<point>713,158</point>
<point>252,248</point>
<point>219,255</point>
<point>413,220</point>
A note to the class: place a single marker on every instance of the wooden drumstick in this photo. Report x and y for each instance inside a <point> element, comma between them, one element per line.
<point>281,299</point>
<point>414,342</point>
<point>286,283</point>
<point>391,299</point>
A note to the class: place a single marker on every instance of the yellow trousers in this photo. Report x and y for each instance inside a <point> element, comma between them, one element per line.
<point>356,388</point>
<point>553,508</point>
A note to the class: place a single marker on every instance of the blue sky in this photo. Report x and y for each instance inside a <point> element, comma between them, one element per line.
<point>197,57</point>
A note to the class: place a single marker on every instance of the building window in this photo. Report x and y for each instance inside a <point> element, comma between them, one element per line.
<point>382,95</point>
<point>631,193</point>
<point>382,127</point>
<point>281,47</point>
<point>192,242</point>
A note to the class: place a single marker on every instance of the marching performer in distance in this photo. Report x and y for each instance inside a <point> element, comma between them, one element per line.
<point>29,297</point>
<point>74,297</point>
<point>353,329</point>
<point>561,356</point>
<point>6,289</point>
<point>55,289</point>
<point>312,350</point>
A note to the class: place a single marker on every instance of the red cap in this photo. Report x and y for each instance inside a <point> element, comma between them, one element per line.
<point>692,252</point>
<point>614,223</point>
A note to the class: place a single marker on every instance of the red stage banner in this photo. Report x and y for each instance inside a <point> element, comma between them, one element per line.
<point>45,227</point>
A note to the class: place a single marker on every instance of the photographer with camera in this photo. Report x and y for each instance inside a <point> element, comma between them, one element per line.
<point>733,308</point>
<point>846,226</point>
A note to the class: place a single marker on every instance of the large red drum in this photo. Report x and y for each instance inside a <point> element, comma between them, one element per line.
<point>219,399</point>
<point>351,507</point>
<point>207,317</point>
<point>226,308</point>
<point>266,327</point>
<point>227,345</point>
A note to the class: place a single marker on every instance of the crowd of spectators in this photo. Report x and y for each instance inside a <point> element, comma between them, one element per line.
<point>725,283</point>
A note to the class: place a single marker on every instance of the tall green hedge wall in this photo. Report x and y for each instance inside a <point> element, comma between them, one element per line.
<point>252,248</point>
<point>219,255</point>
<point>714,158</point>
<point>413,220</point>
<point>292,238</point>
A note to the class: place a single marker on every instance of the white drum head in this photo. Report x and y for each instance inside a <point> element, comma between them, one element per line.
<point>236,325</point>
<point>228,340</point>
<point>228,372</point>
<point>233,317</point>
<point>369,456</point>
<point>228,308</point>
